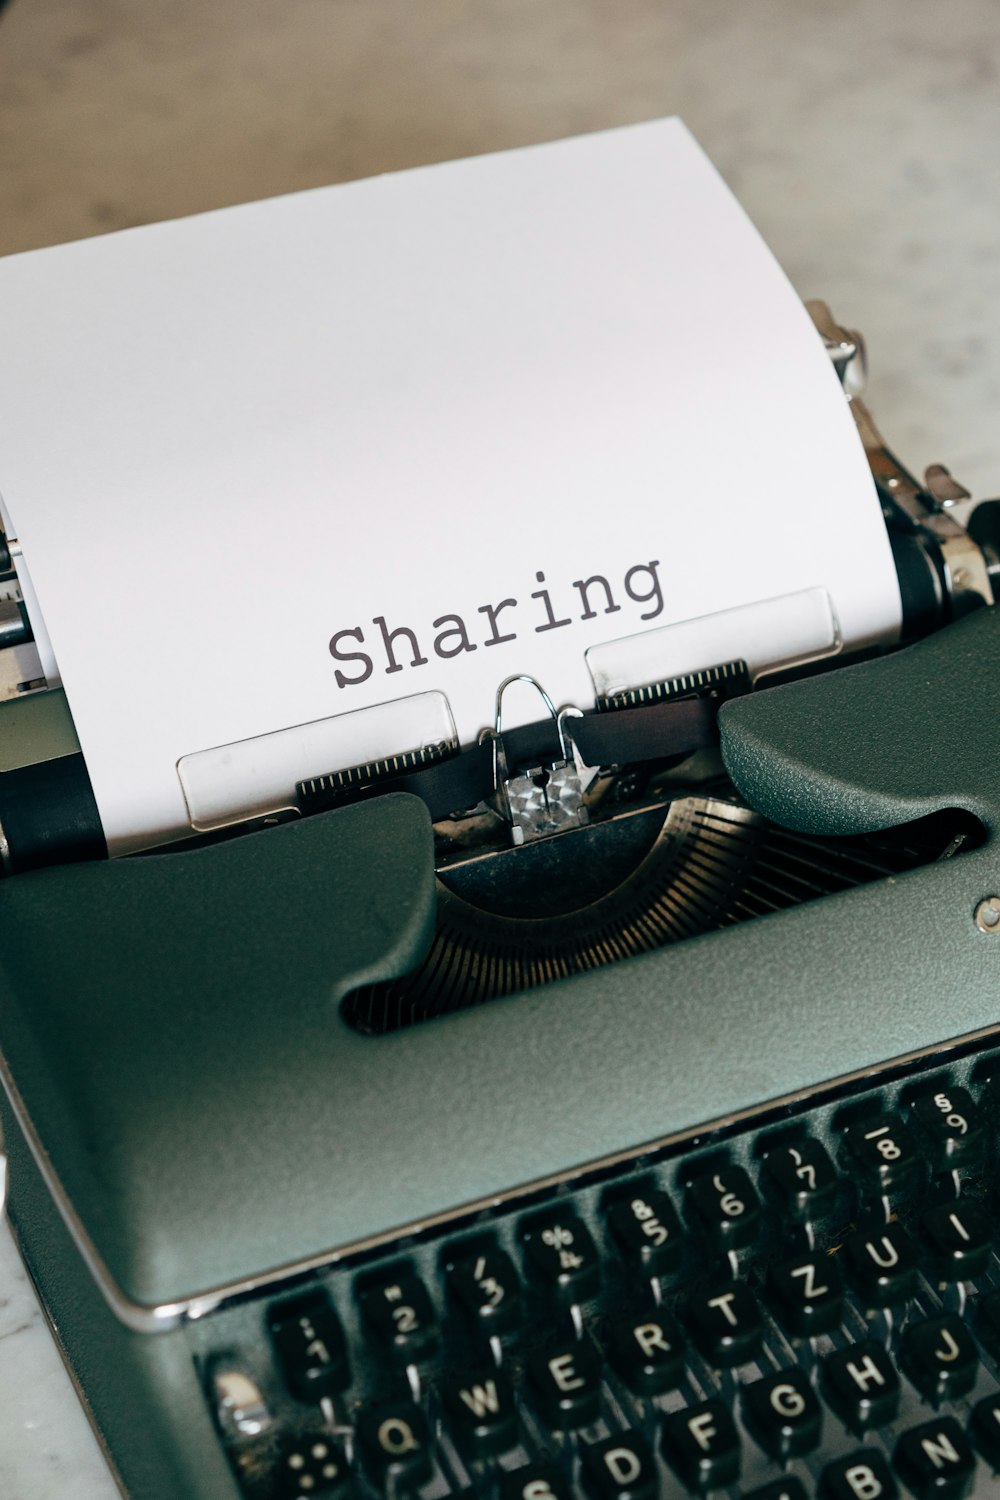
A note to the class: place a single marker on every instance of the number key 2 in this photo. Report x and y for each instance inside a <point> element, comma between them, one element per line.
<point>399,1311</point>
<point>885,1151</point>
<point>562,1258</point>
<point>725,1204</point>
<point>648,1232</point>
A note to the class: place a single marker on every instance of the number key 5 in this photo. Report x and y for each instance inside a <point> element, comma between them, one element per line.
<point>648,1232</point>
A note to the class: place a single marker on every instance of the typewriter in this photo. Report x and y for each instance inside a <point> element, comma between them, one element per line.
<point>609,1109</point>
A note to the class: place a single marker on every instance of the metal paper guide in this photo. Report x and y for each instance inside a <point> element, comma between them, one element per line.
<point>296,485</point>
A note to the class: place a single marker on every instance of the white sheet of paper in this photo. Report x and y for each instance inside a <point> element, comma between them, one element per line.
<point>227,439</point>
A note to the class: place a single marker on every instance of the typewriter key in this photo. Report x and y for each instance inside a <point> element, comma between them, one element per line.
<point>702,1446</point>
<point>399,1311</point>
<point>862,1475</point>
<point>960,1238</point>
<point>566,1383</point>
<point>807,1294</point>
<point>310,1346</point>
<point>861,1384</point>
<point>883,1264</point>
<point>726,1324</point>
<point>725,1205</point>
<point>396,1443</point>
<point>939,1356</point>
<point>935,1461</point>
<point>782,1414</point>
<point>485,1288</point>
<point>647,1350</point>
<point>482,1414</point>
<point>648,1232</point>
<point>620,1468</point>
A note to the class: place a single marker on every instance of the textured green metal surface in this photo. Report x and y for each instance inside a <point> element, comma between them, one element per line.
<point>170,1024</point>
<point>879,744</point>
<point>173,1033</point>
<point>142,1394</point>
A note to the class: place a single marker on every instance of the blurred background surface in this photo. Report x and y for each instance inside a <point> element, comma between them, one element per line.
<point>862,137</point>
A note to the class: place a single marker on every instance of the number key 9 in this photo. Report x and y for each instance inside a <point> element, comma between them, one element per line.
<point>951,1124</point>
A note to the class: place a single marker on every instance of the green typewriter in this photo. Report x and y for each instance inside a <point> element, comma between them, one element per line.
<point>608,1108</point>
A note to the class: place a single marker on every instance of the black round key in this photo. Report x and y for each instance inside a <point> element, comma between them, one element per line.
<point>566,1384</point>
<point>648,1232</point>
<point>935,1461</point>
<point>883,1150</point>
<point>535,1481</point>
<point>951,1125</point>
<point>482,1414</point>
<point>562,1259</point>
<point>400,1312</point>
<point>800,1180</point>
<point>647,1350</point>
<point>807,1294</point>
<point>940,1357</point>
<point>310,1467</point>
<point>310,1346</point>
<point>724,1205</point>
<point>702,1446</point>
<point>396,1443</point>
<point>726,1324</point>
<point>862,1386</point>
<point>861,1475</point>
<point>984,1429</point>
<point>883,1264</point>
<point>960,1238</point>
<point>620,1468</point>
<point>783,1414</point>
<point>485,1287</point>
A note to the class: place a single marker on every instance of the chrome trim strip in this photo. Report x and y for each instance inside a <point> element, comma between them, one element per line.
<point>141,1318</point>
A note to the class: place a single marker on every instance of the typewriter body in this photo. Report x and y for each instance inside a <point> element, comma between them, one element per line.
<point>350,1158</point>
<point>605,1106</point>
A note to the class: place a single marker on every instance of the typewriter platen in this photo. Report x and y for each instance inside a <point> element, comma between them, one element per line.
<point>715,1213</point>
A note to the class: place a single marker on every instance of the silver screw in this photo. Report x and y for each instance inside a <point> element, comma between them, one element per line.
<point>987,914</point>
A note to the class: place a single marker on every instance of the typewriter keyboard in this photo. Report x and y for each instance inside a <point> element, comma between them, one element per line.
<point>805,1303</point>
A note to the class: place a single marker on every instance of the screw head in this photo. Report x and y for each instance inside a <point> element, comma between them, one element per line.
<point>987,915</point>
